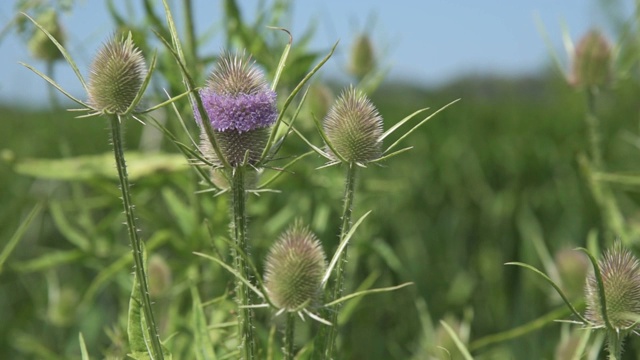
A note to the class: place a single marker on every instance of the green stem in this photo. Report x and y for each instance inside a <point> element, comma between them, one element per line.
<point>245,315</point>
<point>136,244</point>
<point>614,346</point>
<point>289,336</point>
<point>349,192</point>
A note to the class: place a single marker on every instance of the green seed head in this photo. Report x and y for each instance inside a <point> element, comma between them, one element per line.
<point>294,269</point>
<point>234,145</point>
<point>621,278</point>
<point>592,61</point>
<point>354,127</point>
<point>237,74</point>
<point>362,59</point>
<point>39,44</point>
<point>117,74</point>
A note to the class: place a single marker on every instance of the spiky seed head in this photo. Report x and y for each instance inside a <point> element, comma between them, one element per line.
<point>240,107</point>
<point>354,127</point>
<point>39,44</point>
<point>295,266</point>
<point>620,271</point>
<point>362,60</point>
<point>592,61</point>
<point>117,74</point>
<point>234,145</point>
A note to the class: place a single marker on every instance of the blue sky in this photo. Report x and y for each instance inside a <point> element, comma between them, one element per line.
<point>427,42</point>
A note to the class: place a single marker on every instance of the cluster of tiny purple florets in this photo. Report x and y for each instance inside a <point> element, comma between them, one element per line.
<point>240,112</point>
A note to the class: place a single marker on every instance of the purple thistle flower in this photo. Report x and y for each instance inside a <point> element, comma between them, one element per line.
<point>240,107</point>
<point>241,112</point>
<point>237,97</point>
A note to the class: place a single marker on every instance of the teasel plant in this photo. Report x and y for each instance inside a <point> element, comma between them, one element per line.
<point>295,278</point>
<point>594,65</point>
<point>239,123</point>
<point>353,135</point>
<point>117,81</point>
<point>611,295</point>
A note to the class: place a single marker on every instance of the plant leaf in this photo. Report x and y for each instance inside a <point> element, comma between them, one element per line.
<point>17,236</point>
<point>456,340</point>
<point>555,286</point>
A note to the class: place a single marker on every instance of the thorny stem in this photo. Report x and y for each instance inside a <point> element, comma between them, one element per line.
<point>245,321</point>
<point>136,245</point>
<point>349,192</point>
<point>614,344</point>
<point>289,336</point>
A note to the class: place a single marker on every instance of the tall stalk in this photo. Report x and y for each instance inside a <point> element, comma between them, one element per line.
<point>239,233</point>
<point>614,344</point>
<point>289,336</point>
<point>349,192</point>
<point>136,243</point>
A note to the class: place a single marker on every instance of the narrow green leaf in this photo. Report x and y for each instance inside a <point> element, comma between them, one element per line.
<point>367,292</point>
<point>555,286</point>
<point>341,248</point>
<point>233,272</point>
<point>601,292</point>
<point>17,236</point>
<point>203,344</point>
<point>135,332</point>
<point>419,124</point>
<point>282,170</point>
<point>313,147</point>
<point>326,140</point>
<point>283,58</point>
<point>145,83</point>
<point>457,341</point>
<point>293,94</point>
<point>83,348</point>
<point>55,85</point>
<point>62,50</point>
<point>401,122</point>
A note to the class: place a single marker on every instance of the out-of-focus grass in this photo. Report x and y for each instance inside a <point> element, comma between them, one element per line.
<point>447,216</point>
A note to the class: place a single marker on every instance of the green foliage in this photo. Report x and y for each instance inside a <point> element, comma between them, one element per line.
<point>494,179</point>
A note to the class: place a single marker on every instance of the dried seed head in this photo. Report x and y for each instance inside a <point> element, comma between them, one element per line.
<point>295,266</point>
<point>117,74</point>
<point>592,61</point>
<point>354,127</point>
<point>362,59</point>
<point>621,278</point>
<point>39,44</point>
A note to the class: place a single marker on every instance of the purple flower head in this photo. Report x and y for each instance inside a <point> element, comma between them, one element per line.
<point>241,112</point>
<point>237,96</point>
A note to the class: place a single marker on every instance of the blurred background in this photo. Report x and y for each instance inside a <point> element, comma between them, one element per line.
<point>498,177</point>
